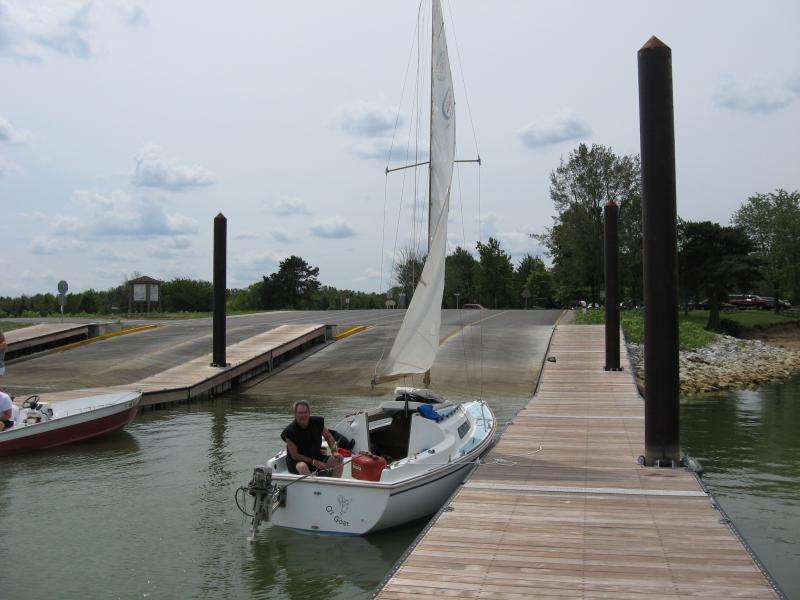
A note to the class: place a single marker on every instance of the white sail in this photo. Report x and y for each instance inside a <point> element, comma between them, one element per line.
<point>415,347</point>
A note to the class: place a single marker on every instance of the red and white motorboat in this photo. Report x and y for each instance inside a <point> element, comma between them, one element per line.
<point>39,425</point>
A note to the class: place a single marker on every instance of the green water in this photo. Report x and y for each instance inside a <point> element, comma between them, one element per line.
<point>149,512</point>
<point>749,444</point>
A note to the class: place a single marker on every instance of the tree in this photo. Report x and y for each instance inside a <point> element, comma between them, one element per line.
<point>292,286</point>
<point>539,283</point>
<point>461,272</point>
<point>772,222</point>
<point>184,294</point>
<point>717,260</point>
<point>408,270</point>
<point>496,279</point>
<point>580,188</point>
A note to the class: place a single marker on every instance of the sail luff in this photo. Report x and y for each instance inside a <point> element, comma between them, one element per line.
<point>415,346</point>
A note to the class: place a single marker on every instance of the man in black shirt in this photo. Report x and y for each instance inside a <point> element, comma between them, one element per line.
<point>303,439</point>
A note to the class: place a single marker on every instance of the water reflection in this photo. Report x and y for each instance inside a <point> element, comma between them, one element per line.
<point>301,565</point>
<point>749,444</point>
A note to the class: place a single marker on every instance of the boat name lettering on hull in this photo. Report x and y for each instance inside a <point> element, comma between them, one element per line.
<point>344,506</point>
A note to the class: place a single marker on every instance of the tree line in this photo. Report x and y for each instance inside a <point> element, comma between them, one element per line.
<point>759,252</point>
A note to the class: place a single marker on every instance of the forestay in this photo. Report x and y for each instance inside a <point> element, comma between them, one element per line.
<point>414,349</point>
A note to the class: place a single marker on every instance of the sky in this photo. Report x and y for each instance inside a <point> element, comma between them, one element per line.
<point>126,127</point>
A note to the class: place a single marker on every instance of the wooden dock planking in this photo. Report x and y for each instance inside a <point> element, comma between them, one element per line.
<point>560,508</point>
<point>197,377</point>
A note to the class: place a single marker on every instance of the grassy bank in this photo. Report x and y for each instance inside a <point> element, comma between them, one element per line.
<point>690,334</point>
<point>691,327</point>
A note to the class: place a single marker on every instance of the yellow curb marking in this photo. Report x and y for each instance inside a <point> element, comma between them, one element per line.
<point>351,331</point>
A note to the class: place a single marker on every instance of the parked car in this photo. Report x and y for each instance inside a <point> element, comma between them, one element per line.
<point>769,303</point>
<point>472,306</point>
<point>746,301</point>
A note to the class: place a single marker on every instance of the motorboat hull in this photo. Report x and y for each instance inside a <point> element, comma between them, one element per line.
<point>108,413</point>
<point>347,506</point>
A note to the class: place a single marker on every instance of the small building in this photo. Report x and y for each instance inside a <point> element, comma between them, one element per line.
<point>143,293</point>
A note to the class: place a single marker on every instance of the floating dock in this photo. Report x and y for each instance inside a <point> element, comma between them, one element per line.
<point>43,336</point>
<point>197,378</point>
<point>562,508</point>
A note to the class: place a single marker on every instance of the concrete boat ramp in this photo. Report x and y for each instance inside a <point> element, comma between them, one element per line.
<point>197,378</point>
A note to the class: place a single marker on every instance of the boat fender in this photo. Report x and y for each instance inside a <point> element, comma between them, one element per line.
<point>427,411</point>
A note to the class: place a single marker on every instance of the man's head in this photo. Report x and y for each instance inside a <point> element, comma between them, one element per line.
<point>302,412</point>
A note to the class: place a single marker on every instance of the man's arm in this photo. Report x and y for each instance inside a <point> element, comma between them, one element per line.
<point>291,449</point>
<point>330,439</point>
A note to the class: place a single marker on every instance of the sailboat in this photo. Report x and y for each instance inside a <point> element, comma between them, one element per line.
<point>409,454</point>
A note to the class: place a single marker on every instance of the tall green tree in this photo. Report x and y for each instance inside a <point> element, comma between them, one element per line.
<point>718,260</point>
<point>408,270</point>
<point>539,283</point>
<point>292,286</point>
<point>461,273</point>
<point>580,187</point>
<point>496,275</point>
<point>184,294</point>
<point>772,222</point>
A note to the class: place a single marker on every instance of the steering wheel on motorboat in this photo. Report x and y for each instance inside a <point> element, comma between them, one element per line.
<point>31,402</point>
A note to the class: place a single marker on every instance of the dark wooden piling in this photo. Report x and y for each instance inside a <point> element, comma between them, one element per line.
<point>659,230</point>
<point>220,252</point>
<point>611,217</point>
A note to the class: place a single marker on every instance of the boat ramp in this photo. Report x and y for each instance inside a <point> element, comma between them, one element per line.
<point>196,378</point>
<point>561,507</point>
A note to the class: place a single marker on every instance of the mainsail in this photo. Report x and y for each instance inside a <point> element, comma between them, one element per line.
<point>415,347</point>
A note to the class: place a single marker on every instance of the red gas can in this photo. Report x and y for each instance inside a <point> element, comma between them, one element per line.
<point>368,467</point>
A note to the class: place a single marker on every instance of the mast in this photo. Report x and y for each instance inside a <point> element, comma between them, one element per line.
<point>426,378</point>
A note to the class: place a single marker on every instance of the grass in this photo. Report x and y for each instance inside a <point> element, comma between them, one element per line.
<point>691,334</point>
<point>746,318</point>
<point>9,325</point>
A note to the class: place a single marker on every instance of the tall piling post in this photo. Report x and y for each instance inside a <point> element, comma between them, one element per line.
<point>220,258</point>
<point>659,232</point>
<point>611,219</point>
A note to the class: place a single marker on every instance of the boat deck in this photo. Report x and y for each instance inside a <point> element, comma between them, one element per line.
<point>562,509</point>
<point>196,378</point>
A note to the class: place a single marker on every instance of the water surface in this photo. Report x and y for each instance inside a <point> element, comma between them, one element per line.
<point>749,444</point>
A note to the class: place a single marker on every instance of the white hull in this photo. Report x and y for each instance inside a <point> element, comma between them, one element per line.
<point>412,488</point>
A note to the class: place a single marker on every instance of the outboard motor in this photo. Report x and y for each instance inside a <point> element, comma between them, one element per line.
<point>267,496</point>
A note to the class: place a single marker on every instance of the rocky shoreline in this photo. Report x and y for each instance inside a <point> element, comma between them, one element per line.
<point>727,363</point>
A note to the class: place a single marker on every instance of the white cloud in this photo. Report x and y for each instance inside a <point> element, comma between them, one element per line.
<point>171,248</point>
<point>760,97</point>
<point>245,235</point>
<point>26,29</point>
<point>8,167</point>
<point>280,235</point>
<point>291,206</point>
<point>333,227</point>
<point>42,244</point>
<point>369,120</point>
<point>121,214</point>
<point>155,170</point>
<point>249,268</point>
<point>8,133</point>
<point>561,127</point>
<point>133,14</point>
